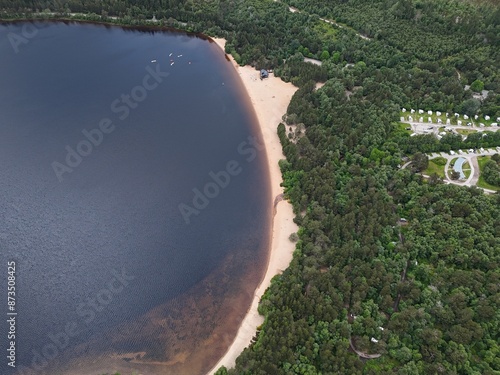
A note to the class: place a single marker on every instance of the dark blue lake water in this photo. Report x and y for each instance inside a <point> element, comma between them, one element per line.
<point>106,137</point>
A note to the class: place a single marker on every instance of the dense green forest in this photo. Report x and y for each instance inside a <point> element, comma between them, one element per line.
<point>388,266</point>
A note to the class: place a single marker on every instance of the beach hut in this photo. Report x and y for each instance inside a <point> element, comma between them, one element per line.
<point>264,74</point>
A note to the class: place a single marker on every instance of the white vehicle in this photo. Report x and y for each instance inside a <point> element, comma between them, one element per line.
<point>453,153</point>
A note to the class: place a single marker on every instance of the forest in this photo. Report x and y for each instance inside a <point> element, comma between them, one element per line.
<point>392,273</point>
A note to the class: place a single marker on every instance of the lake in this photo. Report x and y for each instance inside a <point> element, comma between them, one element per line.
<point>135,199</point>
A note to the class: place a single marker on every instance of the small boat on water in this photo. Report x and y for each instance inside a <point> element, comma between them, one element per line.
<point>179,55</point>
<point>153,61</point>
<point>170,54</point>
<point>172,63</point>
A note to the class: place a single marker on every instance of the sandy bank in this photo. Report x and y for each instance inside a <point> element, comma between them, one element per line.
<point>270,98</point>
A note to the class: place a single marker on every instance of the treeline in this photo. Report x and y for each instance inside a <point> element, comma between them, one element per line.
<point>465,32</point>
<point>425,287</point>
<point>387,265</point>
<point>259,33</point>
<point>491,171</point>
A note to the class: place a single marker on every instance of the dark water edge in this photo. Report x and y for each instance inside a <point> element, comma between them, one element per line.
<point>189,333</point>
<point>146,27</point>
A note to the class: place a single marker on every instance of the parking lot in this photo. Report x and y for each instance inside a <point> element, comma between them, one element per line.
<point>440,129</point>
<point>471,152</point>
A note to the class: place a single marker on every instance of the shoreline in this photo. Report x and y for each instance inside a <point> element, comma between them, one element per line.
<point>269,98</point>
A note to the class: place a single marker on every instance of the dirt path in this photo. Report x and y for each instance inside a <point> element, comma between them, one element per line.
<point>362,354</point>
<point>331,22</point>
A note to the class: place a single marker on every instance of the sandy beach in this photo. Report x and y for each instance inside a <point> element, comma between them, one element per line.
<point>270,98</point>
<point>188,344</point>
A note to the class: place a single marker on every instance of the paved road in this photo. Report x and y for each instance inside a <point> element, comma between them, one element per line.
<point>474,176</point>
<point>472,159</point>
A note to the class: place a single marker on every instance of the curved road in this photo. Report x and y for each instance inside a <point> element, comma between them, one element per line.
<point>472,159</point>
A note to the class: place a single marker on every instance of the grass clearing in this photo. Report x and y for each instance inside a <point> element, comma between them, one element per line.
<point>401,127</point>
<point>434,167</point>
<point>467,170</point>
<point>465,131</point>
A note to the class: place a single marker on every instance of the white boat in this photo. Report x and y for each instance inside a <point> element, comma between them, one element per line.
<point>172,63</point>
<point>179,55</point>
<point>153,61</point>
<point>170,54</point>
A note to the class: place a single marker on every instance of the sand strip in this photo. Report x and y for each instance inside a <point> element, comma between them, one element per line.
<point>270,98</point>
